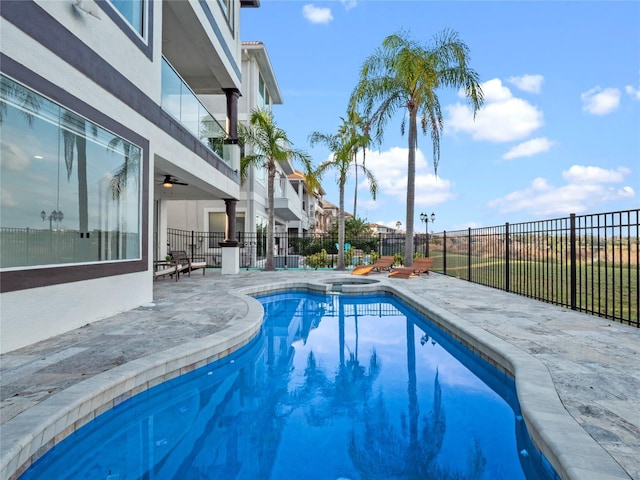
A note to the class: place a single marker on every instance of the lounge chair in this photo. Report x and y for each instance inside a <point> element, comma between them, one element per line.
<point>165,267</point>
<point>420,265</point>
<point>184,263</point>
<point>383,263</point>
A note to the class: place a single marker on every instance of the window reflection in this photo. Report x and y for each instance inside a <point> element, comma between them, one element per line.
<point>70,189</point>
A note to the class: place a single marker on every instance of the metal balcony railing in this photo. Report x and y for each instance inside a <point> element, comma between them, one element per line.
<point>180,102</point>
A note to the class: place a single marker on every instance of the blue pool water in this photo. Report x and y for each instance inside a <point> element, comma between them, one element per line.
<point>334,387</point>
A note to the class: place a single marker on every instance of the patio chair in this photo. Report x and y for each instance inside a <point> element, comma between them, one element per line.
<point>419,266</point>
<point>184,263</point>
<point>383,263</point>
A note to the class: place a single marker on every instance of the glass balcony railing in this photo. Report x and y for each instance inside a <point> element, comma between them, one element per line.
<point>180,101</point>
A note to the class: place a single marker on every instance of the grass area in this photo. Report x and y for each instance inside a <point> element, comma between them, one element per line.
<point>609,290</point>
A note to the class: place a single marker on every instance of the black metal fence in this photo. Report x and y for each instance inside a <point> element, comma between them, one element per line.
<point>290,250</point>
<point>588,263</point>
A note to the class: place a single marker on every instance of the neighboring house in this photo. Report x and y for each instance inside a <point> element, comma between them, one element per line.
<point>310,202</point>
<point>103,121</point>
<point>327,216</point>
<point>292,201</point>
<point>379,228</point>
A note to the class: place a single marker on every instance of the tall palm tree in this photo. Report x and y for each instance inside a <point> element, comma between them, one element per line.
<point>341,148</point>
<point>403,74</point>
<point>270,146</point>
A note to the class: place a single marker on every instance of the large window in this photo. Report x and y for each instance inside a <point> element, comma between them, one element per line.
<point>264,99</point>
<point>70,189</point>
<point>133,12</point>
<point>226,6</point>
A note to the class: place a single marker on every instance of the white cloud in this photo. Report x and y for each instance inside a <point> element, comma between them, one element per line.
<point>349,4</point>
<point>582,174</point>
<point>390,169</point>
<point>317,14</point>
<point>583,192</point>
<point>600,102</point>
<point>494,91</point>
<point>503,118</point>
<point>528,83</point>
<point>529,148</point>
<point>633,92</point>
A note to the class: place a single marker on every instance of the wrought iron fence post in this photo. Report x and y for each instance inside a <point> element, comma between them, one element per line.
<point>469,256</point>
<point>507,280</point>
<point>573,258</point>
<point>444,253</point>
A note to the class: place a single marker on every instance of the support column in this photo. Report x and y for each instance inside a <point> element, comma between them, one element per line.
<point>230,249</point>
<point>161,226</point>
<point>232,113</point>
<point>231,147</point>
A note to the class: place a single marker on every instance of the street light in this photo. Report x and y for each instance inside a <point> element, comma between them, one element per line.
<point>425,218</point>
<point>54,216</point>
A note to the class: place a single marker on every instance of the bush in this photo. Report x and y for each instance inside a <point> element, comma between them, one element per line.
<point>318,260</point>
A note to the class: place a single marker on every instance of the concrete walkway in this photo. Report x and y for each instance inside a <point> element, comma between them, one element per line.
<point>578,376</point>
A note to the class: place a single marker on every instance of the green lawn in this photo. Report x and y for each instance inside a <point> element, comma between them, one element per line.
<point>610,291</point>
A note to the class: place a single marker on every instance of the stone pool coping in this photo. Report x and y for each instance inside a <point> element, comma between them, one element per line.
<point>570,449</point>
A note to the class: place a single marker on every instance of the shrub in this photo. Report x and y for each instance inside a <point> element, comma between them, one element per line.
<point>318,260</point>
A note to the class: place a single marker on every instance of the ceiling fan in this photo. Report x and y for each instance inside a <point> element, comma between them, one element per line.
<point>170,181</point>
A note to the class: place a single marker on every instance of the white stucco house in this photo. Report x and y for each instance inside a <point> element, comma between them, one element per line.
<point>103,102</point>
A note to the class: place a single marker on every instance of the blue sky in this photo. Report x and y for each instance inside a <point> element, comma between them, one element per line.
<point>559,132</point>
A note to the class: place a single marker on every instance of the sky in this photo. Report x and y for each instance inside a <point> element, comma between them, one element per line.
<point>559,132</point>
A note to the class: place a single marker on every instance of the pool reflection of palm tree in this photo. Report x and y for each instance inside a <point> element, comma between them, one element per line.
<point>350,386</point>
<point>378,450</point>
<point>353,381</point>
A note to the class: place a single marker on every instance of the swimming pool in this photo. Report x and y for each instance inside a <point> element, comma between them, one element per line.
<point>335,386</point>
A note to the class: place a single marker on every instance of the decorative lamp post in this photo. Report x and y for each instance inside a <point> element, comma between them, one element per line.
<point>54,216</point>
<point>425,218</point>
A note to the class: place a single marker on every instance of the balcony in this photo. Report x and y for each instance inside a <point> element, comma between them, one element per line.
<point>287,205</point>
<point>180,102</point>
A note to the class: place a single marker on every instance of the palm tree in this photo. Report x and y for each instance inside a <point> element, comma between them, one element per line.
<point>403,74</point>
<point>342,148</point>
<point>270,146</point>
<point>354,125</point>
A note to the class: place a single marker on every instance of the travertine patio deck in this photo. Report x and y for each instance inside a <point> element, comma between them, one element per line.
<point>578,376</point>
